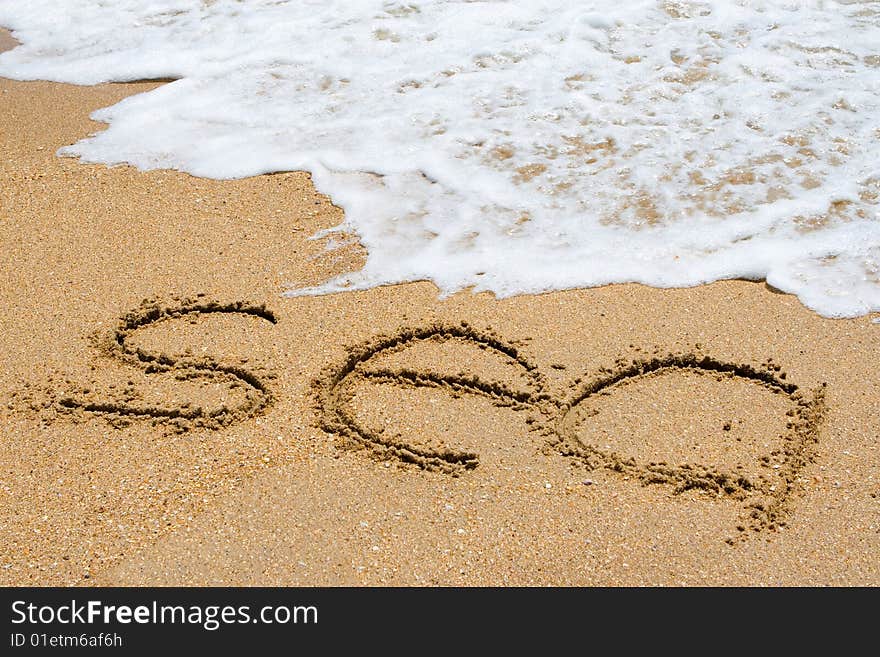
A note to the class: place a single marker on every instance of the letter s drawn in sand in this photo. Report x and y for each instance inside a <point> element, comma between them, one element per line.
<point>257,398</point>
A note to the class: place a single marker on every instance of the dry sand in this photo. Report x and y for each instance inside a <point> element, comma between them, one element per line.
<point>239,437</point>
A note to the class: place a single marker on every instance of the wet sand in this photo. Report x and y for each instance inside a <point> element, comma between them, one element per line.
<point>168,417</point>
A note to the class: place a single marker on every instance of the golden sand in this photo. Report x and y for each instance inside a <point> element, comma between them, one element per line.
<point>169,418</point>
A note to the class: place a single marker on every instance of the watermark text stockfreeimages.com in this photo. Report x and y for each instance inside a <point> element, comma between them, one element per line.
<point>210,617</point>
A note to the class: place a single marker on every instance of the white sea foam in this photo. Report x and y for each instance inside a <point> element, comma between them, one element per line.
<point>514,146</point>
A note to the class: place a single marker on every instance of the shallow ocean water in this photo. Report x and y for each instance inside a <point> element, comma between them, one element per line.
<point>514,147</point>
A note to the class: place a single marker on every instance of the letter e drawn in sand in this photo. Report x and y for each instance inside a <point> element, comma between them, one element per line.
<point>256,398</point>
<point>762,480</point>
<point>335,390</point>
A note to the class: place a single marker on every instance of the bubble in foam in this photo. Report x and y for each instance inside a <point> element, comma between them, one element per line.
<point>514,147</point>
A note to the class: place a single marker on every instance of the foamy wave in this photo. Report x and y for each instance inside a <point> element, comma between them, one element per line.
<point>514,146</point>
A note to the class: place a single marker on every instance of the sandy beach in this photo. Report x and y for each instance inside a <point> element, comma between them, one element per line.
<point>169,418</point>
